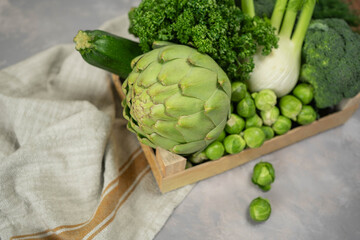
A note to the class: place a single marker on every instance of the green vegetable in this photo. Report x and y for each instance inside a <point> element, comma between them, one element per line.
<point>307,115</point>
<point>304,92</point>
<point>269,132</point>
<point>331,61</point>
<point>107,51</point>
<point>234,144</point>
<point>221,136</point>
<point>263,175</point>
<point>265,99</point>
<point>260,209</point>
<point>239,91</point>
<point>246,107</point>
<point>215,150</point>
<point>235,124</point>
<point>254,137</point>
<point>217,28</point>
<point>254,121</point>
<point>335,9</point>
<point>282,125</point>
<point>279,70</point>
<point>198,157</point>
<point>270,116</point>
<point>290,106</point>
<point>177,99</point>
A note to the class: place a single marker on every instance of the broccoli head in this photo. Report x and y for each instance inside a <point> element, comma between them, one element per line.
<point>330,61</point>
<point>216,27</point>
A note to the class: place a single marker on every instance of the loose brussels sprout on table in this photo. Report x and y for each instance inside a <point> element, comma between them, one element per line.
<point>260,209</point>
<point>263,175</point>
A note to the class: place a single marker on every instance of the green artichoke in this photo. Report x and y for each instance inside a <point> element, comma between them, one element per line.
<point>177,99</point>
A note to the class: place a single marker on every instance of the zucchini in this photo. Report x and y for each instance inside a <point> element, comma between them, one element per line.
<point>107,51</point>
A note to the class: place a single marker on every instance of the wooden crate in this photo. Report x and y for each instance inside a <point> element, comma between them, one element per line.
<point>169,168</point>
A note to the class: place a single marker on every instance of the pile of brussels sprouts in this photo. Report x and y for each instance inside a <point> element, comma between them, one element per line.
<point>257,117</point>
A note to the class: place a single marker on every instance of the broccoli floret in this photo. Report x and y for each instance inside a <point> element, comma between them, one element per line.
<point>331,60</point>
<point>215,27</point>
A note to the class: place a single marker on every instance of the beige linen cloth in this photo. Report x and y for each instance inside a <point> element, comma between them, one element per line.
<point>69,168</point>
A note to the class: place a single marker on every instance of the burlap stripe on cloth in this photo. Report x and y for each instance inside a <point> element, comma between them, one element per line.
<point>69,168</point>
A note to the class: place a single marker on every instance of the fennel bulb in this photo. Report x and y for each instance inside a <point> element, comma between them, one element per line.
<point>279,71</point>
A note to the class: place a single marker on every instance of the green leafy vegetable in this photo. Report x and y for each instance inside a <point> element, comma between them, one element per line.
<point>331,60</point>
<point>279,70</point>
<point>260,209</point>
<point>263,175</point>
<point>217,28</point>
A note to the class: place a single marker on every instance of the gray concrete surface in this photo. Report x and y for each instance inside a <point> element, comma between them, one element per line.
<point>316,194</point>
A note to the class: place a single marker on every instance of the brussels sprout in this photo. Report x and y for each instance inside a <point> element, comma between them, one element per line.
<point>254,121</point>
<point>269,132</point>
<point>307,115</point>
<point>270,116</point>
<point>254,137</point>
<point>188,165</point>
<point>304,92</point>
<point>235,124</point>
<point>215,150</point>
<point>265,99</point>
<point>238,91</point>
<point>290,106</point>
<point>263,175</point>
<point>246,107</point>
<point>221,136</point>
<point>260,209</point>
<point>198,157</point>
<point>282,125</point>
<point>234,144</point>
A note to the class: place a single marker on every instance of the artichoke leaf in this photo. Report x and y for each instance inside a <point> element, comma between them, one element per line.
<point>214,107</point>
<point>190,147</point>
<point>195,127</point>
<point>146,60</point>
<point>161,141</point>
<point>159,93</point>
<point>179,105</point>
<point>195,86</point>
<point>215,133</point>
<point>167,129</point>
<point>172,71</point>
<point>174,52</point>
<point>149,76</point>
<point>202,60</point>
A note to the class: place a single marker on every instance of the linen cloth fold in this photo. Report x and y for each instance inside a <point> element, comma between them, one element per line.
<point>69,168</point>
